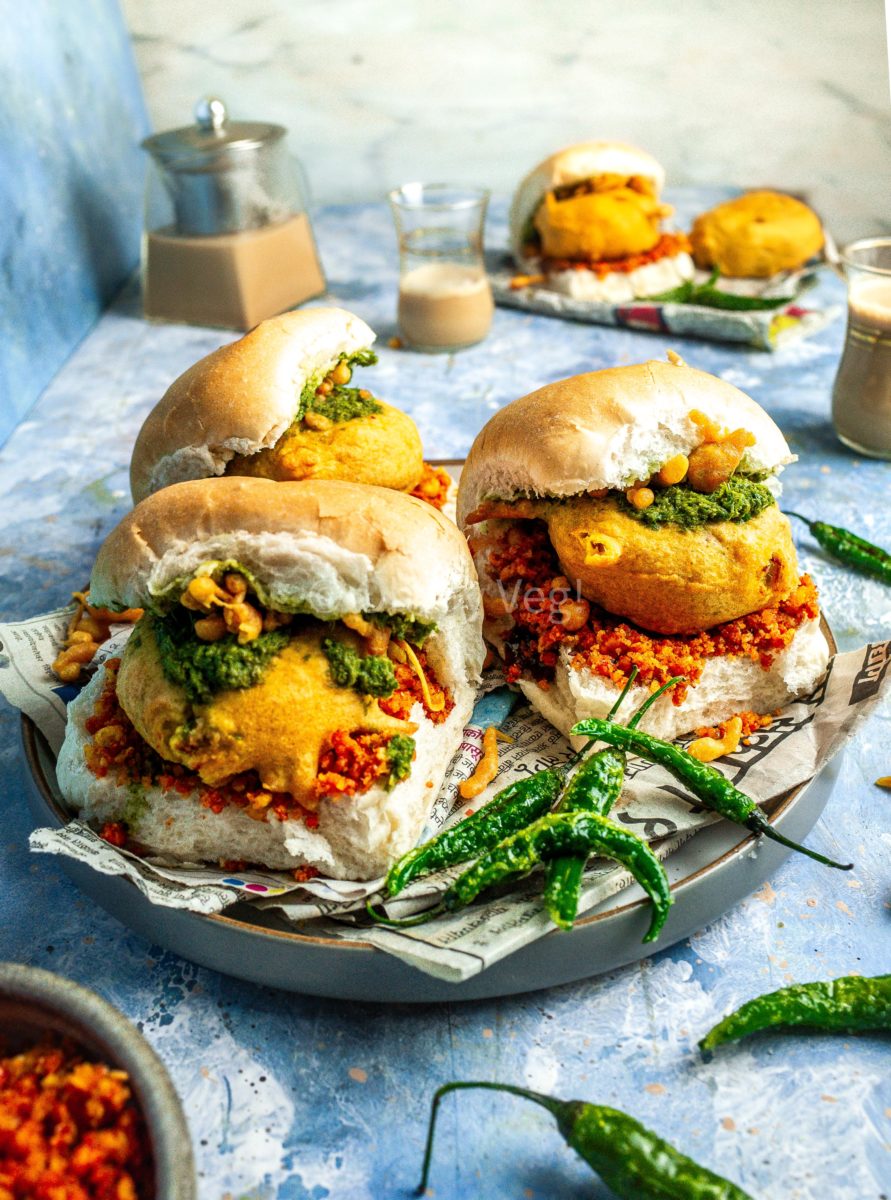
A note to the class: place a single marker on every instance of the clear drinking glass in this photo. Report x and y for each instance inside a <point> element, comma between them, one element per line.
<point>445,301</point>
<point>861,395</point>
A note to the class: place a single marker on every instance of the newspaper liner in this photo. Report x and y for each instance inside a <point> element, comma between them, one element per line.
<point>766,328</point>
<point>790,751</point>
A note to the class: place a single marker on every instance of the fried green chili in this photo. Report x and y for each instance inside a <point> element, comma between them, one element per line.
<point>848,548</point>
<point>708,785</point>
<point>849,1005</point>
<point>555,835</point>
<point>633,1161</point>
<point>595,788</point>
<point>511,809</point>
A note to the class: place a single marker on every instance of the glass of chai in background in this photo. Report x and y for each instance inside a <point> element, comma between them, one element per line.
<point>861,395</point>
<point>445,301</point>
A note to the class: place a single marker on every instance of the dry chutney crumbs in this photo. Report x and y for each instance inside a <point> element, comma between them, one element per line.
<point>523,560</point>
<point>70,1129</point>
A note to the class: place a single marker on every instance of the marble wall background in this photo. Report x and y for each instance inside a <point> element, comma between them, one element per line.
<point>792,93</point>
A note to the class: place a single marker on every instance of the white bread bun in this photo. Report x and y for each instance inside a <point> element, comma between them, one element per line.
<point>358,837</point>
<point>241,398</point>
<point>607,429</point>
<point>726,687</point>
<point>573,164</point>
<point>321,546</point>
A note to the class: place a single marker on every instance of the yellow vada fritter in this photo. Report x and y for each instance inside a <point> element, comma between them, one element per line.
<point>600,224</point>
<point>251,728</point>
<point>669,579</point>
<point>383,448</point>
<point>756,235</point>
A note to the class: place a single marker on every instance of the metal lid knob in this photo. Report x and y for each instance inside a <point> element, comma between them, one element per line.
<point>210,114</point>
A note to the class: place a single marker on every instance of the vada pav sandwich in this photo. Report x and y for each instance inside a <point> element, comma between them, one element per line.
<point>297,686</point>
<point>756,235</point>
<point>283,403</point>
<point>589,220</point>
<point>628,517</point>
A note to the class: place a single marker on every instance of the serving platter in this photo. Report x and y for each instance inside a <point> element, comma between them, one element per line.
<point>709,874</point>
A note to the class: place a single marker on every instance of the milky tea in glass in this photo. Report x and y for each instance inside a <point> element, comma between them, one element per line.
<point>861,395</point>
<point>445,301</point>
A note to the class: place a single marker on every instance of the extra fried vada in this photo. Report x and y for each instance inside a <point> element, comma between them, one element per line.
<point>283,403</point>
<point>297,685</point>
<point>756,235</point>
<point>628,517</point>
<point>589,220</point>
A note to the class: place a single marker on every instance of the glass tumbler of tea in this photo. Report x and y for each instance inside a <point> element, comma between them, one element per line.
<point>861,395</point>
<point>445,301</point>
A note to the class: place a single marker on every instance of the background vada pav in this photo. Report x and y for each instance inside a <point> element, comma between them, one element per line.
<point>589,218</point>
<point>756,235</point>
<point>628,517</point>
<point>297,686</point>
<point>282,403</point>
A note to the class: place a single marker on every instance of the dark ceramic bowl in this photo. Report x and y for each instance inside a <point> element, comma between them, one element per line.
<point>34,1003</point>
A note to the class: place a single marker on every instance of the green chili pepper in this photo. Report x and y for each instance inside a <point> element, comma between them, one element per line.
<point>634,1162</point>
<point>849,1004</point>
<point>706,783</point>
<point>594,788</point>
<point>511,809</point>
<point>579,834</point>
<point>712,297</point>
<point>848,548</point>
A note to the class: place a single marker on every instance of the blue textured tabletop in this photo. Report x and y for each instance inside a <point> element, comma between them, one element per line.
<point>302,1099</point>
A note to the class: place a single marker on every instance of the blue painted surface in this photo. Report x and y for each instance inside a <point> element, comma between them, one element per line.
<point>303,1099</point>
<point>71,119</point>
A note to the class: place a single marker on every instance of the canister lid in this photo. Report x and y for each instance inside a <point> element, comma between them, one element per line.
<point>211,140</point>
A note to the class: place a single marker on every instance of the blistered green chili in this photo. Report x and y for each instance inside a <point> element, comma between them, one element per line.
<point>708,785</point>
<point>633,1161</point>
<point>595,788</point>
<point>511,809</point>
<point>849,1005</point>
<point>579,834</point>
<point>848,548</point>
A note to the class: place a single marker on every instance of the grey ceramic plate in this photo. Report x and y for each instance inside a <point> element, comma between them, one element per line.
<point>34,1003</point>
<point>709,874</point>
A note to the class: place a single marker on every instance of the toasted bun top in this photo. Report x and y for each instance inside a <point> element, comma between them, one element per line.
<point>608,429</point>
<point>321,546</point>
<point>572,165</point>
<point>241,398</point>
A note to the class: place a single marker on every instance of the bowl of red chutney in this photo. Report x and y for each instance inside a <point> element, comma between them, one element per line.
<point>87,1109</point>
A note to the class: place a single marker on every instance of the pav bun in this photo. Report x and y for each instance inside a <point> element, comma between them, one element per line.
<point>332,546</point>
<point>235,411</point>
<point>607,429</point>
